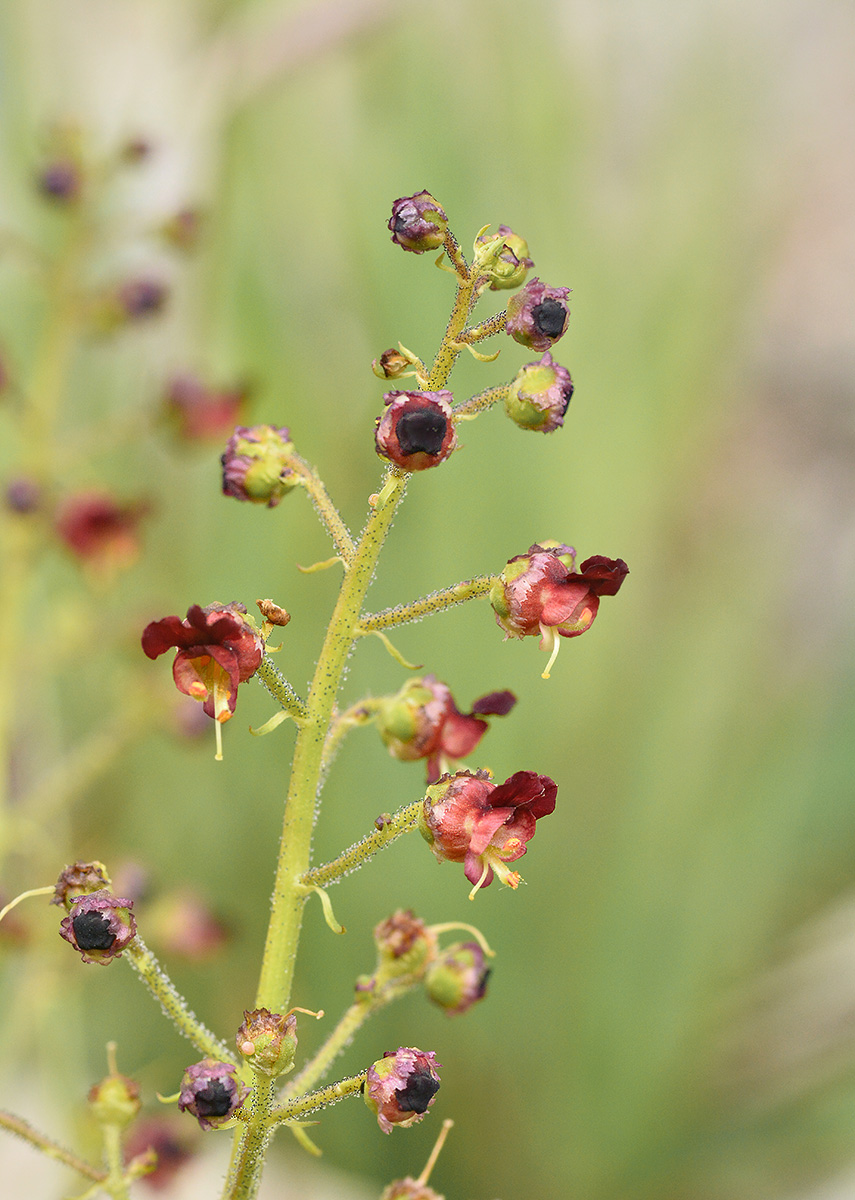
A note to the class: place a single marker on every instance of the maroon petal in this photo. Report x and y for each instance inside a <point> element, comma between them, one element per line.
<point>604,575</point>
<point>561,601</point>
<point>536,792</point>
<point>473,867</point>
<point>160,636</point>
<point>461,734</point>
<point>495,704</point>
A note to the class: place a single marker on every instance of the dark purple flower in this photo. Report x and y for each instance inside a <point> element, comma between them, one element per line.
<point>99,529</point>
<point>538,315</point>
<point>99,925</point>
<point>418,223</point>
<point>211,1093</point>
<point>401,1087</point>
<point>417,429</point>
<point>200,412</point>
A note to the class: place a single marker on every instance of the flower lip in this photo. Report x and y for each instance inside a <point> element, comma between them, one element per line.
<point>416,431</point>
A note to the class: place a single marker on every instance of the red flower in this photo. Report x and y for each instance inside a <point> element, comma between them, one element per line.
<point>217,650</point>
<point>541,592</point>
<point>422,721</point>
<point>467,818</point>
<point>98,529</point>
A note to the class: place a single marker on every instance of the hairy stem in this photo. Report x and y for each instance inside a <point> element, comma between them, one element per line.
<point>23,1129</point>
<point>301,1106</point>
<point>389,830</point>
<point>458,593</point>
<point>251,1141</point>
<point>325,508</point>
<point>280,689</point>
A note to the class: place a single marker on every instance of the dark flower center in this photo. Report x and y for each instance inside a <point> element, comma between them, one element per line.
<point>422,431</point>
<point>417,1095</point>
<point>568,392</point>
<point>213,1100</point>
<point>92,931</point>
<point>549,318</point>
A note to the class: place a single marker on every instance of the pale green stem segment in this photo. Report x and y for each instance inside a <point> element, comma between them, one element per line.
<point>357,714</point>
<point>116,1182</point>
<point>23,1129</point>
<point>466,296</point>
<point>458,593</point>
<point>480,403</point>
<point>343,1034</point>
<point>326,510</point>
<point>488,328</point>
<point>280,689</point>
<point>389,830</point>
<point>301,1106</point>
<point>173,1004</point>
<point>277,970</point>
<point>247,1163</point>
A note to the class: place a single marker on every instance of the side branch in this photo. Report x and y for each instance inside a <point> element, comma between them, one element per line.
<point>325,508</point>
<point>280,689</point>
<point>480,403</point>
<point>23,1129</point>
<point>174,1004</point>
<point>303,1105</point>
<point>445,598</point>
<point>389,830</point>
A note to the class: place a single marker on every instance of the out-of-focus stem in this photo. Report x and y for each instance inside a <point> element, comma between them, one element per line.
<point>23,1129</point>
<point>403,821</point>
<point>116,1183</point>
<point>445,598</point>
<point>174,1004</point>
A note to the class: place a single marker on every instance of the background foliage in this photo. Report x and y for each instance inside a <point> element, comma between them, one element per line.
<point>671,1013</point>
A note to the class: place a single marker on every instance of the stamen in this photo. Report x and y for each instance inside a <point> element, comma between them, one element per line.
<point>218,757</point>
<point>549,641</point>
<point>480,882</point>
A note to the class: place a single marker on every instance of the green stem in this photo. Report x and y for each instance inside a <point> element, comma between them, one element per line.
<point>303,1105</point>
<point>116,1183</point>
<point>480,403</point>
<point>174,1004</point>
<point>403,821</point>
<point>326,510</point>
<point>23,1129</point>
<point>477,333</point>
<point>280,689</point>
<point>277,970</point>
<point>450,347</point>
<point>251,1141</point>
<point>458,593</point>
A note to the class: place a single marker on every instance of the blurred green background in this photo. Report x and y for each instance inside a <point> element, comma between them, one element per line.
<point>672,1012</point>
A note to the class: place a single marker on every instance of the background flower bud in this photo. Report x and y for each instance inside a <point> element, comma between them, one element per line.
<point>115,1100</point>
<point>457,978</point>
<point>257,465</point>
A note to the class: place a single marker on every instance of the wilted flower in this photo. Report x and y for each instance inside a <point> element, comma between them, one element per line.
<point>99,925</point>
<point>200,412</point>
<point>257,465</point>
<point>422,721</point>
<point>539,395</point>
<point>467,818</point>
<point>268,1041</point>
<point>211,1093</point>
<point>418,223</point>
<point>217,650</point>
<point>401,1087</point>
<point>99,530</point>
<point>502,258</point>
<point>391,364</point>
<point>538,315</point>
<point>457,978</point>
<point>80,879</point>
<point>416,431</point>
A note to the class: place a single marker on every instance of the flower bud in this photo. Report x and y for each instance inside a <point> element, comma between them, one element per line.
<point>416,431</point>
<point>268,1041</point>
<point>115,1101</point>
<point>211,1092</point>
<point>391,364</point>
<point>141,298</point>
<point>99,926</point>
<point>401,1087</point>
<point>80,879</point>
<point>457,979</point>
<point>23,496</point>
<point>502,258</point>
<point>418,223</point>
<point>539,395</point>
<point>538,315</point>
<point>182,229</point>
<point>257,465</point>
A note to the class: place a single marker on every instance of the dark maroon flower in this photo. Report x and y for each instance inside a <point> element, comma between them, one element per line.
<point>100,530</point>
<point>257,465</point>
<point>422,721</point>
<point>401,1087</point>
<point>200,412</point>
<point>467,818</point>
<point>538,315</point>
<point>184,925</point>
<point>457,979</point>
<point>217,650</point>
<point>210,1091</point>
<point>417,429</point>
<point>99,925</point>
<point>163,1140</point>
<point>418,223</point>
<point>503,257</point>
<point>541,592</point>
<point>539,395</point>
